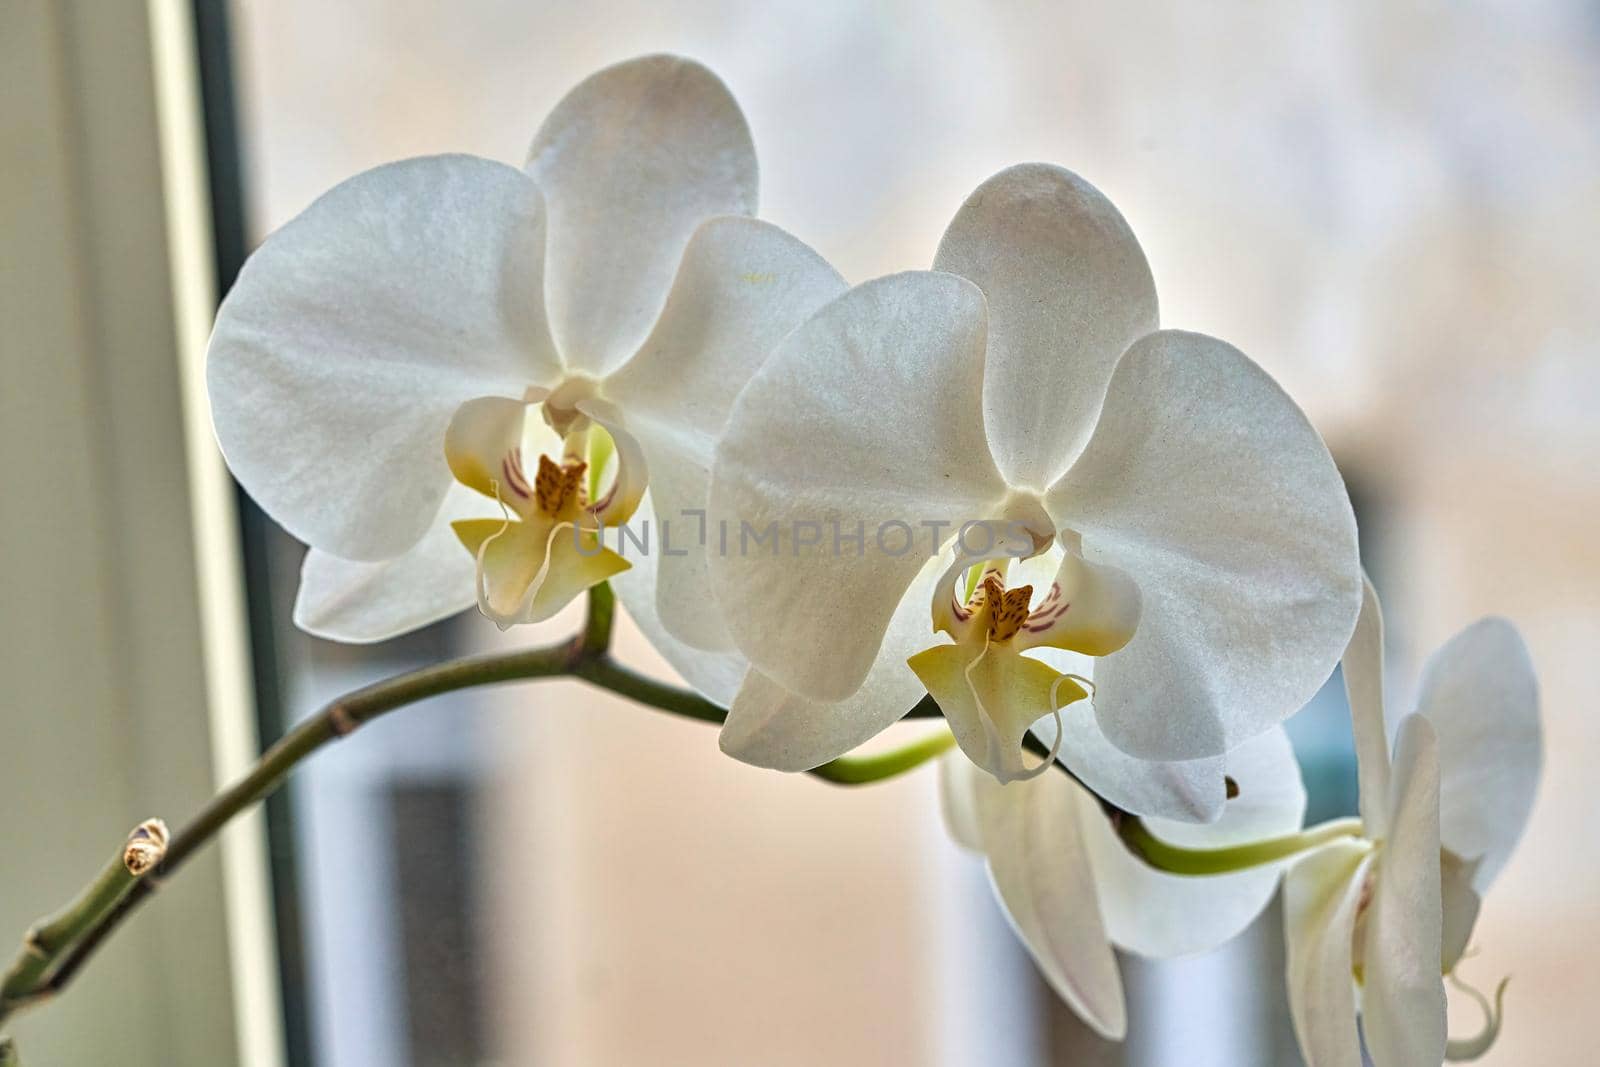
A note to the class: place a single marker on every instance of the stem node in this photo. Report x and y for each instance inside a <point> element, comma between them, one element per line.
<point>341,720</point>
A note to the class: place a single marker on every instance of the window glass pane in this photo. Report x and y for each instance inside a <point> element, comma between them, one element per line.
<point>1395,216</point>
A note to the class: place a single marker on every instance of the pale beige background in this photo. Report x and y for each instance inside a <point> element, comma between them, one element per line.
<point>1394,207</point>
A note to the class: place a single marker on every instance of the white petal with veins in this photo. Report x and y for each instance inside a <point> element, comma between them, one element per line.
<point>353,332</point>
<point>1211,490</point>
<point>771,726</point>
<point>1480,693</point>
<point>866,414</point>
<point>1363,685</point>
<point>362,603</point>
<point>1040,866</point>
<point>1068,289</point>
<point>1163,915</point>
<point>743,285</point>
<point>1403,1001</point>
<point>1321,895</point>
<point>630,162</point>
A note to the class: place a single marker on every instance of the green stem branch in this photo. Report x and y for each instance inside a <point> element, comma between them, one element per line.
<point>56,949</point>
<point>1175,859</point>
<point>47,939</point>
<point>607,673</point>
<point>859,770</point>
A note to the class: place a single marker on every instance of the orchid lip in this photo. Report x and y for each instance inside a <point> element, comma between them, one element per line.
<point>515,478</point>
<point>544,547</point>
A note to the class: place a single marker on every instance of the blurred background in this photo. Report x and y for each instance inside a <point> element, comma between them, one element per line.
<point>1395,208</point>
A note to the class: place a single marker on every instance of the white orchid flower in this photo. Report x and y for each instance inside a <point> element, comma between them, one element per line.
<point>1072,889</point>
<point>1192,516</point>
<point>1394,909</point>
<point>383,364</point>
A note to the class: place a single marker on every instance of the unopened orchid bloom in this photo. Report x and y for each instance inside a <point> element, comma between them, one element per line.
<point>1198,537</point>
<point>1373,922</point>
<point>1072,889</point>
<point>447,374</point>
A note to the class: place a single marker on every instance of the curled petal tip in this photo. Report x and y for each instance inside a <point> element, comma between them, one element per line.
<point>1463,1049</point>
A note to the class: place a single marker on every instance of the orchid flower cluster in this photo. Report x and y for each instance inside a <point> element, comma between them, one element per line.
<point>1115,556</point>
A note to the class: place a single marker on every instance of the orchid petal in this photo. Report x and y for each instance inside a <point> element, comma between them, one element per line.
<point>958,800</point>
<point>1480,693</point>
<point>1403,1001</point>
<point>716,674</point>
<point>1207,485</point>
<point>1321,894</point>
<point>864,417</point>
<point>1363,685</point>
<point>1190,791</point>
<point>1068,289</point>
<point>771,726</point>
<point>355,330</point>
<point>1460,904</point>
<point>1270,797</point>
<point>362,603</point>
<point>1187,791</point>
<point>630,162</point>
<point>1164,915</point>
<point>1033,838</point>
<point>743,285</point>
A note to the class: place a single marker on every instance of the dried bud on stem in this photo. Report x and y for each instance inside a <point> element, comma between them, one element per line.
<point>146,848</point>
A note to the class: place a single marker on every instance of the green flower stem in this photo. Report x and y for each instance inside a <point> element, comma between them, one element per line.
<point>596,639</point>
<point>38,974</point>
<point>48,938</point>
<point>859,770</point>
<point>56,950</point>
<point>1201,861</point>
<point>606,673</point>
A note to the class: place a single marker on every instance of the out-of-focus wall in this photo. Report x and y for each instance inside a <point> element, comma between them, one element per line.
<point>1394,207</point>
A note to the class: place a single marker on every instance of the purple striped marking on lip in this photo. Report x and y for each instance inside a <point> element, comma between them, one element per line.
<point>1049,612</point>
<point>610,495</point>
<point>958,609</point>
<point>511,467</point>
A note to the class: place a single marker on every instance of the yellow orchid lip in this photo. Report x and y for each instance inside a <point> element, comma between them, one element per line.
<point>990,692</point>
<point>546,547</point>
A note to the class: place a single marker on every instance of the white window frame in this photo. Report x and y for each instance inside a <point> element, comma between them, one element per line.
<point>123,649</point>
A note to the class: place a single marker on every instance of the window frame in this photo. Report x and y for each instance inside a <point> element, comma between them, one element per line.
<point>123,641</point>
